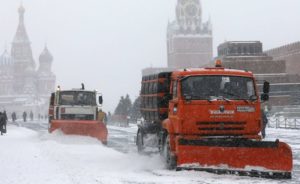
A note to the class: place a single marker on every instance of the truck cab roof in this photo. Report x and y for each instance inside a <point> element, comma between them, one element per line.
<point>211,71</point>
<point>79,90</point>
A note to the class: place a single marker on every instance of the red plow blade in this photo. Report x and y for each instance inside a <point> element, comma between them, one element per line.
<point>243,157</point>
<point>95,129</point>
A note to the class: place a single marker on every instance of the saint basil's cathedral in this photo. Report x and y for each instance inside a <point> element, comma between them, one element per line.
<point>24,86</point>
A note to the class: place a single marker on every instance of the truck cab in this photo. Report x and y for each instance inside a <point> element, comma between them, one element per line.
<point>208,118</point>
<point>214,102</point>
<point>74,105</point>
<point>76,112</point>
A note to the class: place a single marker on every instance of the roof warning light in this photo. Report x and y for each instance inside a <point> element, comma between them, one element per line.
<point>218,63</point>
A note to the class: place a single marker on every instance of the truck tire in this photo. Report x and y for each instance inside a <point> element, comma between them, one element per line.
<point>139,141</point>
<point>170,158</point>
<point>49,124</point>
<point>49,127</point>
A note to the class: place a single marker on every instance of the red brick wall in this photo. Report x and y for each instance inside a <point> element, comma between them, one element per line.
<point>290,53</point>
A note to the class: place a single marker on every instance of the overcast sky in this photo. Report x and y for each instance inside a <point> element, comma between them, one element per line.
<point>106,43</point>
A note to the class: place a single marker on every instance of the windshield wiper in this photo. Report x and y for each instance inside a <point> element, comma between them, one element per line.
<point>196,97</point>
<point>226,99</point>
<point>208,99</point>
<point>235,95</point>
<point>245,100</point>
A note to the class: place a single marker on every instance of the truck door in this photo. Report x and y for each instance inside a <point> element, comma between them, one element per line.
<point>173,104</point>
<point>51,107</point>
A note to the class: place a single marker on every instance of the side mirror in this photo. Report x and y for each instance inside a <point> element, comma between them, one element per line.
<point>167,97</point>
<point>264,97</point>
<point>100,100</point>
<point>52,98</point>
<point>266,87</point>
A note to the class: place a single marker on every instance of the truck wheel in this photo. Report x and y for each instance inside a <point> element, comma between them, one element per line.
<point>139,141</point>
<point>49,124</point>
<point>49,128</point>
<point>169,157</point>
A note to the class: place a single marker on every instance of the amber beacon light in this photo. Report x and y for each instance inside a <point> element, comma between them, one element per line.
<point>218,63</point>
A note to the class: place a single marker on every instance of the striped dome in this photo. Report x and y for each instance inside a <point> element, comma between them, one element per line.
<point>46,56</point>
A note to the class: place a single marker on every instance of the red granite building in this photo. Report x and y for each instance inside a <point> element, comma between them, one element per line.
<point>290,53</point>
<point>249,55</point>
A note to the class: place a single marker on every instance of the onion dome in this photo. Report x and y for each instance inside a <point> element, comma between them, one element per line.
<point>46,56</point>
<point>21,9</point>
<point>5,58</point>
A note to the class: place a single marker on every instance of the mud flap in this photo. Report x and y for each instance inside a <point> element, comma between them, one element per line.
<point>79,127</point>
<point>243,157</point>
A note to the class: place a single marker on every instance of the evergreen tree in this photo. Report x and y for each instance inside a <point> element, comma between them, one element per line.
<point>118,110</point>
<point>124,106</point>
<point>135,110</point>
<point>127,105</point>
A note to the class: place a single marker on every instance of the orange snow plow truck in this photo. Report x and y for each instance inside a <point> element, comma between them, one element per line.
<point>209,119</point>
<point>76,112</point>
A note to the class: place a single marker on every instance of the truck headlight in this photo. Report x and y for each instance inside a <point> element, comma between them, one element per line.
<point>245,109</point>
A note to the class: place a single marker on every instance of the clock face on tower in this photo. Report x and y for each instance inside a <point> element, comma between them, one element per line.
<point>191,10</point>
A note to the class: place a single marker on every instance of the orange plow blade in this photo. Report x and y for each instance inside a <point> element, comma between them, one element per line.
<point>91,128</point>
<point>243,157</point>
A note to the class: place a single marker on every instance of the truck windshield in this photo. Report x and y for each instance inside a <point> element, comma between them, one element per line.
<point>77,98</point>
<point>218,87</point>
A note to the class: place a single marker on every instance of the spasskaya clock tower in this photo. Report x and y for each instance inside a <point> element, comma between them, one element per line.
<point>189,40</point>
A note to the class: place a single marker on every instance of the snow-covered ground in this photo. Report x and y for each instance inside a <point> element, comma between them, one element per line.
<point>30,155</point>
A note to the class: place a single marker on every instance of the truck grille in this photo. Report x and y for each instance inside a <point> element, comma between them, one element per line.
<point>221,126</point>
<point>77,117</point>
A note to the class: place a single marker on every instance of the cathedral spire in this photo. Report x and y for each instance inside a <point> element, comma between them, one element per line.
<point>21,34</point>
<point>21,49</point>
<point>21,13</point>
